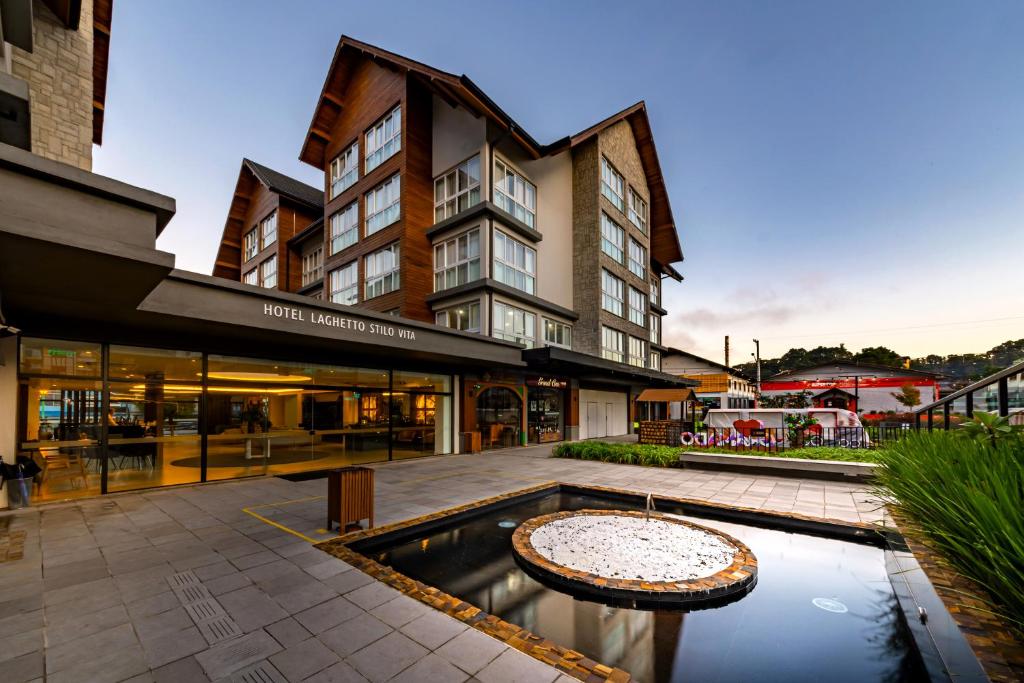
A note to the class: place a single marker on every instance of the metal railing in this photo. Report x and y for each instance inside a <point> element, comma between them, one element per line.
<point>1001,381</point>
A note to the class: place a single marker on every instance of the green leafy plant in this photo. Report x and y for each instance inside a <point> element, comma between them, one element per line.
<point>908,395</point>
<point>991,428</point>
<point>964,495</point>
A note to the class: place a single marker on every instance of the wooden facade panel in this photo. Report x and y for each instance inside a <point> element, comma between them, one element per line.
<point>292,218</point>
<point>417,203</point>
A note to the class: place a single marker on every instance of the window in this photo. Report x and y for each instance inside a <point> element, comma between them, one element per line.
<point>465,317</point>
<point>637,211</point>
<point>637,352</point>
<point>384,139</point>
<point>515,264</point>
<point>252,277</point>
<point>612,238</point>
<point>655,361</point>
<point>383,205</point>
<point>457,261</point>
<point>345,228</point>
<point>268,230</point>
<point>514,194</point>
<point>613,294</point>
<point>345,170</point>
<point>457,190</point>
<point>654,291</point>
<point>345,284</point>
<point>381,271</point>
<point>268,272</point>
<point>252,242</point>
<point>637,307</point>
<point>312,266</point>
<point>655,329</point>
<point>637,258</point>
<point>613,344</point>
<point>612,185</point>
<point>557,334</point>
<point>514,324</point>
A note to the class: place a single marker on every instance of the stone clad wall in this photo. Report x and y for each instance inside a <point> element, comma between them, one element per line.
<point>59,75</point>
<point>586,229</point>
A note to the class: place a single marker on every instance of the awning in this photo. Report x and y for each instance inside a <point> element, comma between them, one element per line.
<point>666,395</point>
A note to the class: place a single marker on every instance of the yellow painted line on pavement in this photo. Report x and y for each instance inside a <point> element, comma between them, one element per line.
<point>282,527</point>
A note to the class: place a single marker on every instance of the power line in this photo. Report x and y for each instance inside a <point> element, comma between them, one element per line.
<point>899,329</point>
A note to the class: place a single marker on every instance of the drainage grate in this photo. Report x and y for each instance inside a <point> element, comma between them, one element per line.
<point>219,628</point>
<point>202,610</point>
<point>264,672</point>
<point>182,579</point>
<point>190,594</point>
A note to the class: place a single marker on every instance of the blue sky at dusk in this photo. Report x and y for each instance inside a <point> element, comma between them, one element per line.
<point>838,171</point>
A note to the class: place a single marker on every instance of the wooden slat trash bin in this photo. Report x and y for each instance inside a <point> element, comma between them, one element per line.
<point>349,497</point>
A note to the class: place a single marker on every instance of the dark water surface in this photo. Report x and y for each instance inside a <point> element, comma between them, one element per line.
<point>775,633</point>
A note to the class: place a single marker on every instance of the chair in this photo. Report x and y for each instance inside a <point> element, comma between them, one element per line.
<point>62,463</point>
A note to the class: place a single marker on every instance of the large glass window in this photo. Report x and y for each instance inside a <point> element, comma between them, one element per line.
<point>345,227</point>
<point>654,291</point>
<point>499,417</point>
<point>655,329</point>
<point>383,204</point>
<point>384,140</point>
<point>637,259</point>
<point>268,273</point>
<point>381,271</point>
<point>514,194</point>
<point>59,357</point>
<point>515,264</point>
<point>345,170</point>
<point>457,261</point>
<point>557,334</point>
<point>465,317</point>
<point>268,230</point>
<point>637,307</point>
<point>655,361</point>
<point>252,277</point>
<point>251,243</point>
<point>514,324</point>
<point>612,238</point>
<point>613,344</point>
<point>457,190</point>
<point>613,294</point>
<point>345,284</point>
<point>312,266</point>
<point>637,211</point>
<point>637,352</point>
<point>612,185</point>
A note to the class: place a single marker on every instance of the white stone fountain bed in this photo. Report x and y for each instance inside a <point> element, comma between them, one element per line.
<point>619,547</point>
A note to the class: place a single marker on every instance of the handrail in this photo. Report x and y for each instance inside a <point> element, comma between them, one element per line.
<point>971,388</point>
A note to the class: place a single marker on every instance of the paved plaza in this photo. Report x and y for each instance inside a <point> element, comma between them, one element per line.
<point>220,582</point>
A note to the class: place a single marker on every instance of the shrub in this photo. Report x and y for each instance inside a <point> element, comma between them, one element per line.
<point>965,497</point>
<point>622,453</point>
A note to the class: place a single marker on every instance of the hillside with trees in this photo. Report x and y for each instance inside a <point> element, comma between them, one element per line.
<point>960,368</point>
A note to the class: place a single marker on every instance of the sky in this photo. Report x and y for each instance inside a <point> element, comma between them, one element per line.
<point>838,171</point>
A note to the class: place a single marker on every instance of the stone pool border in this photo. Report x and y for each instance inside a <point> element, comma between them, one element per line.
<point>739,577</point>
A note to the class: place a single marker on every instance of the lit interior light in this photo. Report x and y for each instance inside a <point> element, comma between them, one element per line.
<point>257,377</point>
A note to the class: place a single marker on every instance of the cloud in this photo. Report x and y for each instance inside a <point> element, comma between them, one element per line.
<point>705,317</point>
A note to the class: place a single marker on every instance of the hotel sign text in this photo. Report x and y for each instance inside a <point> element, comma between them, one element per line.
<point>322,319</point>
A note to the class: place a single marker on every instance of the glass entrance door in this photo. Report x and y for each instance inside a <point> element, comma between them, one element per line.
<point>545,416</point>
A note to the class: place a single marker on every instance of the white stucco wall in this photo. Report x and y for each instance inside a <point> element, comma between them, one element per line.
<point>457,135</point>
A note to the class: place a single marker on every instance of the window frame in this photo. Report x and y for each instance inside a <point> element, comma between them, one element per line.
<point>383,188</point>
<point>529,336</point>
<point>655,328</point>
<point>352,229</point>
<point>452,311</point>
<point>611,174</point>
<point>352,288</point>
<point>392,275</point>
<point>338,174</point>
<point>443,268</point>
<point>640,269</point>
<point>254,272</point>
<point>396,137</point>
<point>311,275</point>
<point>263,273</point>
<point>615,353</point>
<point>557,325</point>
<point>631,357</point>
<point>637,217</point>
<point>455,172</point>
<point>654,362</point>
<point>529,253</point>
<point>251,244</point>
<point>637,315</point>
<point>616,252</point>
<point>655,296</point>
<point>270,218</point>
<point>607,277</point>
<point>509,202</point>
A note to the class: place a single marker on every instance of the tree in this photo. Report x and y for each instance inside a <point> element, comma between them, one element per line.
<point>908,395</point>
<point>879,355</point>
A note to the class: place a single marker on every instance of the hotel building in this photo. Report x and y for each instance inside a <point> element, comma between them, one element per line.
<point>454,286</point>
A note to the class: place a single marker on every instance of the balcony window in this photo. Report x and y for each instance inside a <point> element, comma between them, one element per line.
<point>613,294</point>
<point>345,284</point>
<point>612,238</point>
<point>345,228</point>
<point>637,211</point>
<point>312,266</point>
<point>612,185</point>
<point>515,264</point>
<point>457,261</point>
<point>465,317</point>
<point>252,277</point>
<point>268,230</point>
<point>637,259</point>
<point>268,273</point>
<point>637,352</point>
<point>557,334</point>
<point>383,204</point>
<point>345,170</point>
<point>613,344</point>
<point>381,271</point>
<point>514,194</point>
<point>514,324</point>
<point>384,140</point>
<point>457,190</point>
<point>654,291</point>
<point>251,243</point>
<point>655,361</point>
<point>637,307</point>
<point>655,329</point>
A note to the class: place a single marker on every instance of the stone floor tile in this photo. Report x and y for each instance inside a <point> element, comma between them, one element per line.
<point>328,614</point>
<point>251,608</point>
<point>381,660</point>
<point>185,669</point>
<point>80,654</point>
<point>471,650</point>
<point>229,656</point>
<point>431,669</point>
<point>400,611</point>
<point>288,632</point>
<point>371,595</point>
<point>339,673</point>
<point>255,559</point>
<point>26,667</point>
<point>304,596</point>
<point>433,629</point>
<point>327,569</point>
<point>173,646</point>
<point>228,583</point>
<point>354,634</point>
<point>304,659</point>
<point>348,581</point>
<point>513,666</point>
<point>72,626</point>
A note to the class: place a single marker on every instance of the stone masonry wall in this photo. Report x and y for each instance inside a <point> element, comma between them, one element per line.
<point>586,240</point>
<point>59,75</point>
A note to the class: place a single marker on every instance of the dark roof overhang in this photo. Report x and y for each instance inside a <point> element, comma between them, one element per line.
<point>558,361</point>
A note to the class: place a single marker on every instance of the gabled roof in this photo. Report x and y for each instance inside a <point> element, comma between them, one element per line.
<point>672,351</point>
<point>297,190</point>
<point>461,90</point>
<point>856,364</point>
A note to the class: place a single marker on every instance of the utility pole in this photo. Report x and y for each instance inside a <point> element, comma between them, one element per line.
<point>727,351</point>
<point>757,357</point>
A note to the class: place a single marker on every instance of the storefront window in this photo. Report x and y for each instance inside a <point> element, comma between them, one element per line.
<point>63,358</point>
<point>420,381</point>
<point>545,418</point>
<point>253,371</point>
<point>420,424</point>
<point>499,415</point>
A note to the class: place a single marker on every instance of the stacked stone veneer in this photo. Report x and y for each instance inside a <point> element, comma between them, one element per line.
<point>618,145</point>
<point>59,75</point>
